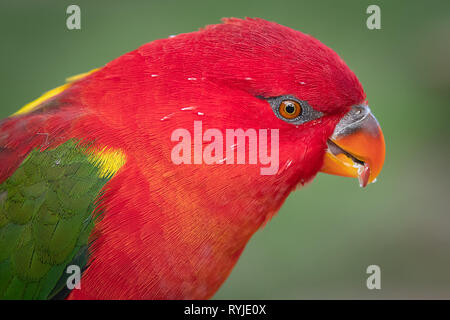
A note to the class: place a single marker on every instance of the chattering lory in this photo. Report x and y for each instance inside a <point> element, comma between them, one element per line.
<point>150,174</point>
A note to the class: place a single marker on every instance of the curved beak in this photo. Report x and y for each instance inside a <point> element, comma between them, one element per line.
<point>356,148</point>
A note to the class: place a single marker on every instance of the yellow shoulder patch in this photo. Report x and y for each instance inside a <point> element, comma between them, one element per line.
<point>109,161</point>
<point>49,94</point>
<point>30,106</point>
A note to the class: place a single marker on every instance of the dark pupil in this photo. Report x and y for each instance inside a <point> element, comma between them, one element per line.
<point>290,108</point>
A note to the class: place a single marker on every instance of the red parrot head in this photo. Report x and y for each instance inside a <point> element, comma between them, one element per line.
<point>257,75</point>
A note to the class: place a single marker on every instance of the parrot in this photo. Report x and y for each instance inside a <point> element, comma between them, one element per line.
<point>88,184</point>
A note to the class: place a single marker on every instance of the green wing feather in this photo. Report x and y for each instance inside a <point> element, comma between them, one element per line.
<point>45,220</point>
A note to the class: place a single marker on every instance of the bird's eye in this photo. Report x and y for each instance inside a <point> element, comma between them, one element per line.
<point>290,109</point>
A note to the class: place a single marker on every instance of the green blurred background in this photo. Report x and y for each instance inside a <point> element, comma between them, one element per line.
<point>321,242</point>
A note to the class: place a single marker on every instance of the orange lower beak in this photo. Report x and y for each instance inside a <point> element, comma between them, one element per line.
<point>356,148</point>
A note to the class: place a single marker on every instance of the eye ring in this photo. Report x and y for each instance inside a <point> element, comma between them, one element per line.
<point>290,109</point>
<point>302,111</point>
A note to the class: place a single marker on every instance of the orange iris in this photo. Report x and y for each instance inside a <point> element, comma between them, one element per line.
<point>290,109</point>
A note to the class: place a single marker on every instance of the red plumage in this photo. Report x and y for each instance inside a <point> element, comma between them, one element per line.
<point>175,232</point>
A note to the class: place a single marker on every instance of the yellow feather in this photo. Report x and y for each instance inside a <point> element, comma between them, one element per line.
<point>109,161</point>
<point>30,106</point>
<point>49,94</point>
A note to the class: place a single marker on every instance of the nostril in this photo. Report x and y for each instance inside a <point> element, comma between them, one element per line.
<point>358,110</point>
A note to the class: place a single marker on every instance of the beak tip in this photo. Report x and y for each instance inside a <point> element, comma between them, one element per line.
<point>364,176</point>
